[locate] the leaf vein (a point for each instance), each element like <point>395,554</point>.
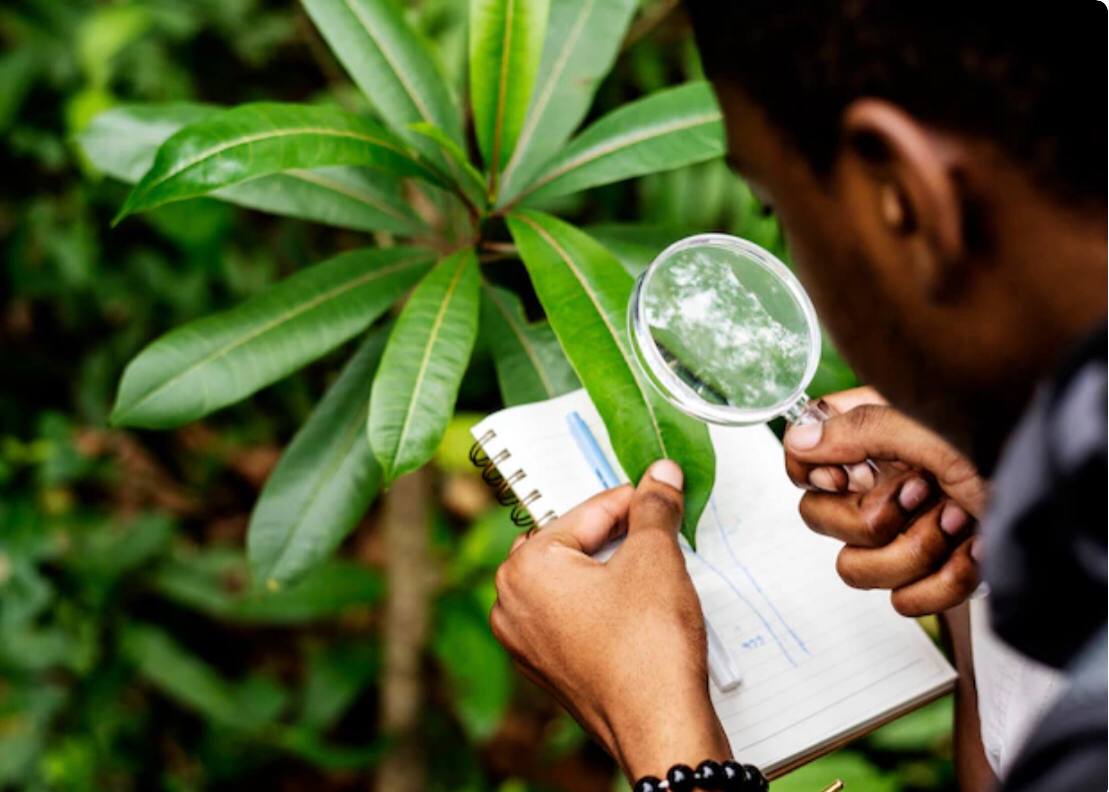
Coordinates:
<point>568,260</point>
<point>266,327</point>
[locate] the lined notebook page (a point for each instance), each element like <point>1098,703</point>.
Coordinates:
<point>819,661</point>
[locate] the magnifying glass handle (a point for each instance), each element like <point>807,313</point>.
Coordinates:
<point>864,475</point>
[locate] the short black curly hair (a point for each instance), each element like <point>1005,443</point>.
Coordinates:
<point>1029,75</point>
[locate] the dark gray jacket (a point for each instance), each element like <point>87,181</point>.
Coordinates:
<point>1045,563</point>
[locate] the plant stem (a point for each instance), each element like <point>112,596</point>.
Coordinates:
<point>405,524</point>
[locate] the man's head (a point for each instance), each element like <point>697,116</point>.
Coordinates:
<point>939,171</point>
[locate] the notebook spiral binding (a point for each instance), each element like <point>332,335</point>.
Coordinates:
<point>503,486</point>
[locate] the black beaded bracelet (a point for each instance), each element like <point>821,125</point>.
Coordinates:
<point>709,775</point>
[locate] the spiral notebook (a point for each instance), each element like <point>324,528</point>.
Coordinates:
<point>821,664</point>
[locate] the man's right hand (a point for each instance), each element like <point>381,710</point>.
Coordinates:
<point>910,531</point>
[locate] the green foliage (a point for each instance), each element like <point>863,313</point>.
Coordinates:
<point>506,43</point>
<point>139,648</point>
<point>577,279</point>
<point>324,482</point>
<point>216,361</point>
<point>220,359</point>
<point>414,392</point>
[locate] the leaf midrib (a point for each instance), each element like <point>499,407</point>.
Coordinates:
<point>615,146</point>
<point>568,260</point>
<point>432,340</point>
<point>353,431</point>
<point>416,100</point>
<point>525,342</point>
<point>270,325</point>
<point>319,180</point>
<point>502,91</point>
<point>545,96</point>
<point>246,140</point>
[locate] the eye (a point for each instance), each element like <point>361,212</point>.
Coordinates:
<point>764,209</point>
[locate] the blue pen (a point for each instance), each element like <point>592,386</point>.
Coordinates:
<point>591,450</point>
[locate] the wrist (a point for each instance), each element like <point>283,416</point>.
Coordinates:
<point>654,744</point>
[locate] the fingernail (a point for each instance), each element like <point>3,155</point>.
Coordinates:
<point>976,550</point>
<point>823,479</point>
<point>666,471</point>
<point>913,492</point>
<point>804,436</point>
<point>862,475</point>
<point>953,519</point>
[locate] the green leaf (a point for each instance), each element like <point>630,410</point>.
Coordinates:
<point>122,142</point>
<point>252,140</point>
<point>388,61</point>
<point>506,43</point>
<point>216,583</point>
<point>529,362</point>
<point>324,482</point>
<point>479,671</point>
<point>583,38</point>
<point>182,676</point>
<point>470,181</point>
<point>853,768</point>
<point>584,291</point>
<point>417,383</point>
<point>636,245</point>
<point>668,129</point>
<point>335,675</point>
<point>222,358</point>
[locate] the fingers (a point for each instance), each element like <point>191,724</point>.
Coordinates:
<point>912,556</point>
<point>871,518</point>
<point>949,586</point>
<point>851,398</point>
<point>591,525</point>
<point>658,502</point>
<point>868,519</point>
<point>877,432</point>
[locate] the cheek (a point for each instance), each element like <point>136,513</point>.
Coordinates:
<point>850,301</point>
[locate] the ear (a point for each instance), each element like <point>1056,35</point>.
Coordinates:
<point>899,182</point>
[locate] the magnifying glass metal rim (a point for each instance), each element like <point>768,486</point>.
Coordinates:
<point>670,385</point>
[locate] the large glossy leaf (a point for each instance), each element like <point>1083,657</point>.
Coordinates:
<point>324,483</point>
<point>417,383</point>
<point>585,290</point>
<point>506,44</point>
<point>388,61</point>
<point>668,129</point>
<point>222,358</point>
<point>529,362</point>
<point>583,37</point>
<point>635,244</point>
<point>252,140</point>
<point>123,140</point>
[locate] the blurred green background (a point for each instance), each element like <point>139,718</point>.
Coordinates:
<point>130,655</point>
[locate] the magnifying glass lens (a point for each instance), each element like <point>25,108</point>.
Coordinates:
<point>724,330</point>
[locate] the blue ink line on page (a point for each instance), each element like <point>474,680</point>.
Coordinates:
<point>591,450</point>
<point>742,598</point>
<point>751,578</point>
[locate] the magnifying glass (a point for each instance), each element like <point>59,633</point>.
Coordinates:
<point>726,333</point>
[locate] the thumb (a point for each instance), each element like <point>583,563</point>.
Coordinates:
<point>658,503</point>
<point>877,432</point>
<point>590,525</point>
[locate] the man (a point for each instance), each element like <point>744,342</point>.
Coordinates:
<point>939,171</point>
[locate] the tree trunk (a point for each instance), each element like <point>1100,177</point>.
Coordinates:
<point>405,525</point>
